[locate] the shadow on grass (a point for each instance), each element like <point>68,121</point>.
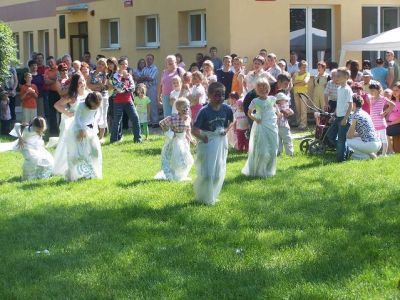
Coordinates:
<point>14,179</point>
<point>145,151</point>
<point>189,250</point>
<point>42,183</point>
<point>138,182</point>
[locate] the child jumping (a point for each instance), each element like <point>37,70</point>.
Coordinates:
<point>264,133</point>
<point>176,159</point>
<point>38,162</point>
<point>210,129</point>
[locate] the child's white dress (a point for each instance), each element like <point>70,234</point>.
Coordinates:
<point>263,146</point>
<point>84,158</point>
<point>176,159</point>
<point>38,163</point>
<point>60,155</point>
<point>211,166</point>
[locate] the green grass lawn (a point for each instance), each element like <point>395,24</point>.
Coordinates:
<point>317,230</point>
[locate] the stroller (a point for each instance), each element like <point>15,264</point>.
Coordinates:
<point>319,144</point>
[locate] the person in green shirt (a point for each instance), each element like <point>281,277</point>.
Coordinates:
<point>142,104</point>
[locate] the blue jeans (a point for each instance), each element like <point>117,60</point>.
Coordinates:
<point>167,108</point>
<point>337,136</point>
<point>118,110</point>
<point>152,94</point>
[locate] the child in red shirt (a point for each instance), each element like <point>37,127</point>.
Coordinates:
<point>29,94</point>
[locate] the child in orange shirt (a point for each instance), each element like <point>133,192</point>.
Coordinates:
<point>29,94</point>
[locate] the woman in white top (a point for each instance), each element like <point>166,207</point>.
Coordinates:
<point>67,107</point>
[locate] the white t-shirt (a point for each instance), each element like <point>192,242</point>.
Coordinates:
<point>242,122</point>
<point>199,90</point>
<point>174,94</point>
<point>344,99</point>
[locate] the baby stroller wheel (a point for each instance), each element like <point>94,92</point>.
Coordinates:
<point>317,148</point>
<point>305,144</point>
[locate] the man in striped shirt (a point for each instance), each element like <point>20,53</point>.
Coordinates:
<point>150,74</point>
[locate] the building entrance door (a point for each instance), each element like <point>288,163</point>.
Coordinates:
<point>78,45</point>
<point>311,34</point>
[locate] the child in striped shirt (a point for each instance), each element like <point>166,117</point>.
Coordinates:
<point>378,113</point>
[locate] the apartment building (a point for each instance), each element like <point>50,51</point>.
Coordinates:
<point>315,29</point>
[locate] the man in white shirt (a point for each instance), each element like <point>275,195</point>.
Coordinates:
<point>293,64</point>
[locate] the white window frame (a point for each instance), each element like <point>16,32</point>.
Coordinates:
<point>309,9</point>
<point>379,21</point>
<point>17,44</point>
<point>203,41</point>
<point>44,43</point>
<point>29,46</point>
<point>115,45</point>
<point>157,42</point>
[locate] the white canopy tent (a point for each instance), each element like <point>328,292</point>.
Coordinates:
<point>388,40</point>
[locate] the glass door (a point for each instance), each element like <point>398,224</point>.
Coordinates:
<point>311,34</point>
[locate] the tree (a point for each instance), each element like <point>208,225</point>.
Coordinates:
<point>8,50</point>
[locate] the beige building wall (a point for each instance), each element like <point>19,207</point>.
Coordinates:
<point>266,24</point>
<point>36,26</point>
<point>170,24</point>
<point>233,26</point>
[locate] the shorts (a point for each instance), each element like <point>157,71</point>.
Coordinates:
<point>382,135</point>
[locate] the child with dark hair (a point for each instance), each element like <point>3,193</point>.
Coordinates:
<point>380,73</point>
<point>362,137</point>
<point>210,128</point>
<point>38,162</point>
<point>83,145</point>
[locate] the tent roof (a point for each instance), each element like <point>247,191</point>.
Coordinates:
<point>388,40</point>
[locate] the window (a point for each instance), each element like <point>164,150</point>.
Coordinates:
<point>109,29</point>
<point>311,34</point>
<point>378,19</point>
<point>152,35</point>
<point>113,33</point>
<point>29,46</point>
<point>44,43</point>
<point>197,29</point>
<point>46,46</point>
<point>17,45</point>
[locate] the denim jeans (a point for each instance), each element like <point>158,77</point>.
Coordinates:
<point>118,110</point>
<point>167,108</point>
<point>337,136</point>
<point>152,94</point>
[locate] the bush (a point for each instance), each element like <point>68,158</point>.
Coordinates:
<point>8,51</point>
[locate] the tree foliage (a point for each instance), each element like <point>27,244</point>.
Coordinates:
<point>8,50</point>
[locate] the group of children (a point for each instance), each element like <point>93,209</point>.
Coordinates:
<point>213,123</point>
<point>78,153</point>
<point>257,125</point>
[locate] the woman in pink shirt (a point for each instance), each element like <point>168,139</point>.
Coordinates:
<point>378,113</point>
<point>393,120</point>
<point>166,87</point>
